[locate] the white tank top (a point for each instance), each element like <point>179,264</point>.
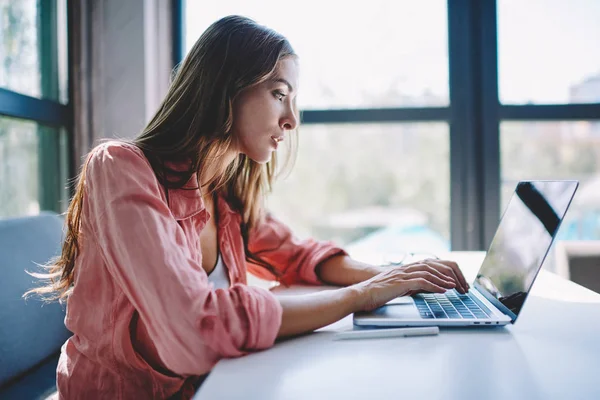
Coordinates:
<point>218,275</point>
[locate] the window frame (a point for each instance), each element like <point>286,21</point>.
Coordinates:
<point>47,113</point>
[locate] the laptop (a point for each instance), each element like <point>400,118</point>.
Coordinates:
<point>524,236</point>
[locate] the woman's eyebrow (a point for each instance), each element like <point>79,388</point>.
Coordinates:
<point>281,80</point>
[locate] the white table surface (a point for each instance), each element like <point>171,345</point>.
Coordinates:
<point>551,352</point>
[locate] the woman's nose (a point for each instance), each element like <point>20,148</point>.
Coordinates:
<point>290,120</point>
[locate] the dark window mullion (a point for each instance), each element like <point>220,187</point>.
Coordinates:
<point>178,31</point>
<point>490,125</point>
<point>370,115</point>
<point>474,137</point>
<point>465,168</point>
<point>44,111</point>
<point>49,185</point>
<point>550,112</point>
<point>73,39</point>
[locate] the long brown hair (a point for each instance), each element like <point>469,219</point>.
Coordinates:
<point>192,127</point>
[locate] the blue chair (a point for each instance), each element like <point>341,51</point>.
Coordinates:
<point>31,332</point>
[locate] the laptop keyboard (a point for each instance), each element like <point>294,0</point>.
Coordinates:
<point>450,305</point>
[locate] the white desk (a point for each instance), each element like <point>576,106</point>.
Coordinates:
<point>552,352</point>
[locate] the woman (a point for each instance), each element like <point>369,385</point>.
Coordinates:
<point>162,230</point>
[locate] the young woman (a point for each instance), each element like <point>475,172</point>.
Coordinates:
<point>162,230</point>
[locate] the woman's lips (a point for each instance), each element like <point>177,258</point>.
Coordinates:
<point>276,140</point>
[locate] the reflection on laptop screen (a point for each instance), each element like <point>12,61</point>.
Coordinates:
<point>523,239</point>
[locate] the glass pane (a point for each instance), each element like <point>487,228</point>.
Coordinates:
<point>381,53</point>
<point>33,48</point>
<point>31,176</point>
<point>548,51</point>
<point>557,150</point>
<point>381,188</point>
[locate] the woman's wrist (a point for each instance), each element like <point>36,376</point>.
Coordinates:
<point>344,271</point>
<point>305,313</point>
<point>355,297</point>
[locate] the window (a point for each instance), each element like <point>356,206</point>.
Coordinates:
<point>557,150</point>
<point>33,174</point>
<point>548,51</point>
<point>372,185</point>
<point>382,53</point>
<point>549,84</point>
<point>34,159</point>
<point>33,48</point>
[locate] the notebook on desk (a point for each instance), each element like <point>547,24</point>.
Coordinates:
<point>515,256</point>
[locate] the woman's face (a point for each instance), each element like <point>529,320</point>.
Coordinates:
<point>263,114</point>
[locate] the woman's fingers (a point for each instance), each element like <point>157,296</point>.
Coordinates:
<point>448,269</point>
<point>438,269</point>
<point>445,283</point>
<point>418,284</point>
<point>448,272</point>
<point>422,266</point>
<point>426,276</point>
<point>400,282</point>
<point>454,266</point>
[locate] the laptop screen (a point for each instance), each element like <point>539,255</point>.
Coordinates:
<point>524,236</point>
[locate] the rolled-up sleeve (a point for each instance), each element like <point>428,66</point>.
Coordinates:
<point>146,253</point>
<point>295,259</point>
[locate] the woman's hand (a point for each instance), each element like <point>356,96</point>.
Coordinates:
<point>447,270</point>
<point>435,276</point>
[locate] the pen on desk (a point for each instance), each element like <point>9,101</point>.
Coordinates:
<point>385,333</point>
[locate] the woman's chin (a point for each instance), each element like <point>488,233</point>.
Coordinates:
<point>262,159</point>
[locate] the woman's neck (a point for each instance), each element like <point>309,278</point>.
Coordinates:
<point>214,170</point>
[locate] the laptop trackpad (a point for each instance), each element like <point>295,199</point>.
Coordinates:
<point>401,300</point>
<point>398,311</point>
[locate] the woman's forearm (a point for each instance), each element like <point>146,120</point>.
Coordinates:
<point>305,313</point>
<point>344,271</point>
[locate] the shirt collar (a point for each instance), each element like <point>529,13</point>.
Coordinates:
<point>187,202</point>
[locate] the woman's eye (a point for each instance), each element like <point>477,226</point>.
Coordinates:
<point>278,95</point>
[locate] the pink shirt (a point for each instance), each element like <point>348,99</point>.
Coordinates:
<point>146,321</point>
